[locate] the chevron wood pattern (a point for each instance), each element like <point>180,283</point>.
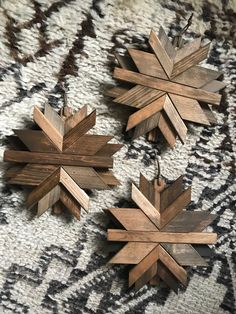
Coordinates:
<point>61,160</point>
<point>160,235</point>
<point>169,87</point>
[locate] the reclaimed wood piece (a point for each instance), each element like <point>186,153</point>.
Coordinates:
<point>171,243</point>
<point>170,72</point>
<point>61,160</point>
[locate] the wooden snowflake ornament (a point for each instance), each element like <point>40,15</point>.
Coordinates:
<point>168,88</point>
<point>61,160</point>
<point>159,235</point>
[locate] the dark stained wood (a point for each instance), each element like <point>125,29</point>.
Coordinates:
<point>108,177</point>
<point>170,193</point>
<point>70,203</point>
<point>58,159</point>
<point>109,150</point>
<point>167,276</point>
<point>188,49</point>
<point>147,125</point>
<point>167,130</point>
<point>76,118</point>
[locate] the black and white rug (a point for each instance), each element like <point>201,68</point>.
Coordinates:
<point>57,264</point>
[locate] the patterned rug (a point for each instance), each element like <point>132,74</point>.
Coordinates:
<point>58,264</point>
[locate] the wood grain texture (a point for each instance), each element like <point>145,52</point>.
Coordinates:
<point>48,200</point>
<point>132,253</point>
<point>188,49</point>
<point>145,206</point>
<point>147,125</point>
<point>167,277</point>
<point>70,203</point>
<point>161,237</point>
<point>167,86</point>
<point>170,193</point>
<point>109,150</point>
<point>54,135</point>
<point>53,117</point>
<point>58,159</point>
<point>167,130</point>
<point>75,119</point>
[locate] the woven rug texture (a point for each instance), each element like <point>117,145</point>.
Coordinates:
<point>56,264</point>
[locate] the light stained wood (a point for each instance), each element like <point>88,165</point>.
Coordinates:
<point>189,109</point>
<point>88,144</point>
<point>48,200</point>
<point>159,48</point>
<point>48,128</point>
<point>170,193</point>
<point>53,117</point>
<point>79,194</point>
<point>140,269</point>
<point>146,112</point>
<point>145,206</point>
<point>58,159</point>
<point>36,141</point>
<point>116,91</point>
<point>70,203</point>
<point>190,60</point>
<point>209,114</point>
<point>147,63</point>
<point>178,271</point>
<point>167,44</point>
<point>175,119</point>
<point>79,130</point>
<point>146,277</point>
<point>185,254</point>
<point>214,86</point>
<point>86,177</point>
<point>75,119</point>
<point>167,86</point>
<point>127,216</point>
<point>162,237</point>
<point>108,177</point>
<point>132,253</point>
<point>188,49</point>
<point>147,125</point>
<point>180,203</point>
<point>167,130</point>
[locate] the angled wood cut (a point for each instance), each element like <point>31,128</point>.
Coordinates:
<point>160,235</point>
<point>168,88</point>
<point>61,160</point>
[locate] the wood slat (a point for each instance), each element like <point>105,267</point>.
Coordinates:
<point>108,177</point>
<point>189,109</point>
<point>178,271</point>
<point>127,216</point>
<point>147,63</point>
<point>138,96</point>
<point>209,114</point>
<point>32,174</point>
<point>116,91</point>
<point>189,221</point>
<point>125,62</point>
<point>53,117</point>
<point>190,60</point>
<point>76,118</point>
<point>146,187</point>
<point>146,277</point>
<point>159,46</point>
<point>43,188</point>
<point>80,196</point>
<point>132,253</point>
<point>167,130</point>
<point>146,112</point>
<point>169,194</point>
<point>70,203</point>
<point>146,263</point>
<point>177,206</point>
<point>58,159</point>
<point>184,254</point>
<point>196,76</point>
<point>36,141</point>
<point>175,119</point>
<point>214,86</point>
<point>161,237</point>
<point>48,128</point>
<point>86,177</point>
<point>167,86</point>
<point>109,150</point>
<point>167,277</point>
<point>48,200</point>
<point>88,144</point>
<point>145,206</point>
<point>188,49</point>
<point>146,125</point>
<point>79,130</point>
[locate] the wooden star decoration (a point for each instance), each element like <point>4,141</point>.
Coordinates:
<point>168,88</point>
<point>159,235</point>
<point>60,160</point>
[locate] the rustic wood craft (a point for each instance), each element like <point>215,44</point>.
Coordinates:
<point>160,237</point>
<point>61,160</point>
<point>166,86</point>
